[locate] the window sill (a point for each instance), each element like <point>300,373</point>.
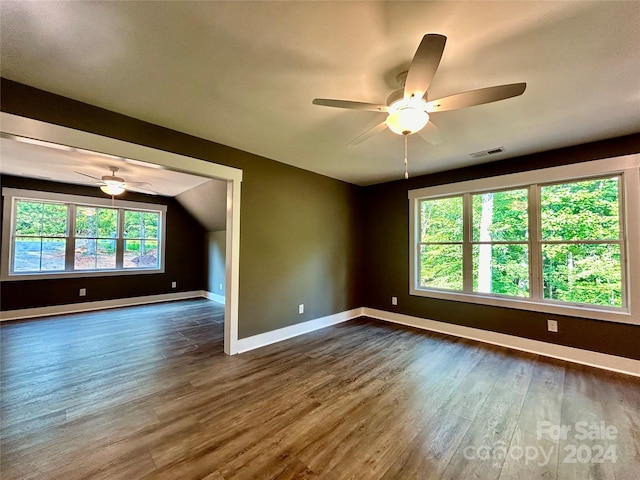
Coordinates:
<point>78,274</point>
<point>620,315</point>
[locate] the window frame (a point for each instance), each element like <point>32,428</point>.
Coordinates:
<point>12,195</point>
<point>627,167</point>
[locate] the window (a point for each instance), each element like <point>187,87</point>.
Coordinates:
<point>581,242</point>
<point>542,240</point>
<point>441,243</point>
<point>141,239</point>
<point>500,246</point>
<point>63,235</point>
<point>40,236</point>
<point>95,239</point>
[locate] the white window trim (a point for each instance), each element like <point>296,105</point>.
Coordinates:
<point>627,166</point>
<point>12,194</point>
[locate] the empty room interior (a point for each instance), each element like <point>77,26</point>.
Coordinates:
<point>324,240</point>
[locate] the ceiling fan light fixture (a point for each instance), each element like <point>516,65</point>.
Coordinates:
<point>112,187</point>
<point>407,116</point>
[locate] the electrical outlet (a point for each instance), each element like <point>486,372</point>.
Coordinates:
<point>83,292</point>
<point>301,308</point>
<point>220,288</point>
<point>394,300</point>
<point>174,284</point>
<point>552,325</point>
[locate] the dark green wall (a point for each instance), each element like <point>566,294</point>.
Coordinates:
<point>299,231</point>
<point>386,268</point>
<point>185,241</point>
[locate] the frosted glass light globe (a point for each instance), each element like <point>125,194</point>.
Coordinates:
<point>407,116</point>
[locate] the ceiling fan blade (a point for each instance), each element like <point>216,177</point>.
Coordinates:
<point>368,134</point>
<point>431,134</point>
<point>86,175</point>
<point>424,65</point>
<point>133,184</point>
<point>476,97</point>
<point>142,190</point>
<point>327,102</point>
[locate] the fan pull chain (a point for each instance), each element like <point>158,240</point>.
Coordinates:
<point>406,166</point>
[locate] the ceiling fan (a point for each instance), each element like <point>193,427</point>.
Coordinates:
<point>408,108</point>
<point>114,185</point>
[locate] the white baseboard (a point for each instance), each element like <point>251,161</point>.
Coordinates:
<point>561,352</point>
<point>267,338</point>
<point>214,296</point>
<point>88,306</point>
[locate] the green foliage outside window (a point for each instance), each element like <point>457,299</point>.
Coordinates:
<point>43,241</point>
<point>588,273</point>
<point>40,219</point>
<point>441,223</point>
<point>579,245</point>
<point>585,210</point>
<point>40,236</point>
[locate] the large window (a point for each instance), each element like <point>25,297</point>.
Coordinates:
<point>47,234</point>
<point>562,246</point>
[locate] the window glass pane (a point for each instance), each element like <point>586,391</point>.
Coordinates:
<point>95,254</point>
<point>26,254</point>
<point>53,253</point>
<point>140,254</point>
<point>131,249</point>
<point>28,218</point>
<point>441,266</point>
<point>132,224</point>
<point>589,274</point>
<point>107,222</point>
<point>41,219</point>
<point>501,269</point>
<point>105,253</point>
<point>39,254</point>
<point>441,220</point>
<point>500,216</point>
<point>92,222</point>
<point>54,220</point>
<point>85,254</point>
<point>150,224</point>
<point>585,210</point>
<point>141,224</point>
<point>86,224</point>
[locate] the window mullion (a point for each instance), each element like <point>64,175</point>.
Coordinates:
<point>622,238</point>
<point>467,247</point>
<point>12,246</point>
<point>69,259</point>
<point>535,249</point>
<point>120,240</point>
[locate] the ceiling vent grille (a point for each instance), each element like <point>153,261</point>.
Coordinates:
<point>484,153</point>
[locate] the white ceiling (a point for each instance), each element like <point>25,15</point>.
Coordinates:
<point>244,73</point>
<point>67,165</point>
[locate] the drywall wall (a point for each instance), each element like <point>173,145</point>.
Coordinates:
<point>216,245</point>
<point>207,203</point>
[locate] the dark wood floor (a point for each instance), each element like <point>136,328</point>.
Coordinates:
<point>146,392</point>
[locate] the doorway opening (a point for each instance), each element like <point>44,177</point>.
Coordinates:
<point>55,134</point>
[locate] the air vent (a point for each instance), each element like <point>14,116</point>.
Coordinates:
<point>484,153</point>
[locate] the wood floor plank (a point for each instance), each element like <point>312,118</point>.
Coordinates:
<point>491,429</point>
<point>428,455</point>
<point>147,392</point>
